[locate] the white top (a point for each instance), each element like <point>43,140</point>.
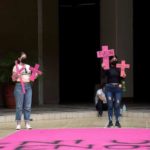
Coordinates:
<point>100,92</point>
<point>25,73</point>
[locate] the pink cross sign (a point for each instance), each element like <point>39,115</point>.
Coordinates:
<point>105,54</point>
<point>18,73</point>
<point>123,66</point>
<point>35,72</point>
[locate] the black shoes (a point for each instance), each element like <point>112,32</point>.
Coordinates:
<point>110,124</point>
<point>100,114</point>
<point>117,124</point>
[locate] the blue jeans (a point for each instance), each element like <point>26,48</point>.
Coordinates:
<point>113,95</point>
<point>99,107</point>
<point>23,101</point>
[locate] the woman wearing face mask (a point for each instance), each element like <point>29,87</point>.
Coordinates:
<point>23,100</point>
<point>113,91</point>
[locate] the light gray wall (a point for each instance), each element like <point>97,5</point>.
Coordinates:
<point>116,31</point>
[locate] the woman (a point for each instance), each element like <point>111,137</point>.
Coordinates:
<point>113,91</point>
<point>23,99</point>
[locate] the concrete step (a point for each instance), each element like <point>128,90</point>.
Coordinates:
<point>135,116</point>
<point>73,117</point>
<point>9,116</point>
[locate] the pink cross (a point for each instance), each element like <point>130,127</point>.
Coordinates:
<point>123,66</point>
<point>105,54</point>
<point>35,72</point>
<point>18,73</point>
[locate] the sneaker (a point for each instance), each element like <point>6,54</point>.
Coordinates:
<point>100,115</point>
<point>110,124</point>
<point>18,127</point>
<point>117,124</point>
<point>28,126</point>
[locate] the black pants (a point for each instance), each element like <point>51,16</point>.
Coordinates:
<point>100,107</point>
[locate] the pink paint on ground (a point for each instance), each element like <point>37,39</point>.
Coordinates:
<point>78,139</point>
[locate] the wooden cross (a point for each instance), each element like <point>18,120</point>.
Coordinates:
<point>105,54</point>
<point>19,74</point>
<point>122,66</point>
<point>35,72</point>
